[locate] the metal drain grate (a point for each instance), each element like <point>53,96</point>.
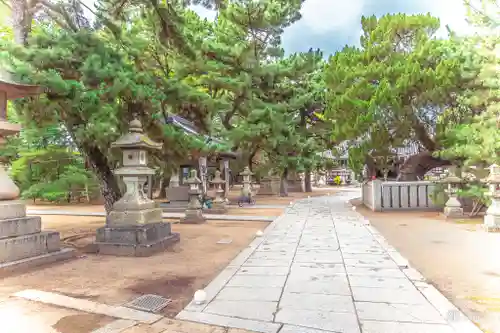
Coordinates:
<point>149,303</point>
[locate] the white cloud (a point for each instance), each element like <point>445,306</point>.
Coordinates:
<point>204,12</point>
<point>327,15</point>
<point>451,13</point>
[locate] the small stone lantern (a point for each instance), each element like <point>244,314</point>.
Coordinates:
<point>194,214</point>
<point>246,191</point>
<point>135,226</point>
<point>219,204</point>
<point>453,207</point>
<point>492,217</point>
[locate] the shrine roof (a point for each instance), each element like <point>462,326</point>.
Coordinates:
<point>190,129</point>
<point>15,89</point>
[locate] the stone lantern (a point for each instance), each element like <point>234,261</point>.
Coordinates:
<point>194,213</point>
<point>22,242</point>
<point>246,190</point>
<point>135,226</point>
<point>492,217</point>
<point>453,207</point>
<point>219,204</point>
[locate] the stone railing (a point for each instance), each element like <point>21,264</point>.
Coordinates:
<point>391,195</point>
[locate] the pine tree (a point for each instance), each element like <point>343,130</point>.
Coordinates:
<point>477,139</point>
<point>395,87</point>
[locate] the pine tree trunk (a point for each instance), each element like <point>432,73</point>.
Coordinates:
<point>164,184</point>
<point>110,189</point>
<point>20,23</point>
<point>284,183</point>
<point>416,166</point>
<point>308,181</point>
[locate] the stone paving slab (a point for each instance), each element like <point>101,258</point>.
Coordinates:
<point>321,268</point>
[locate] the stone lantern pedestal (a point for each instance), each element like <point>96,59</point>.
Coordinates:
<point>135,227</point>
<point>453,207</point>
<point>492,217</point>
<point>219,203</point>
<point>23,244</point>
<point>194,213</point>
<point>246,190</point>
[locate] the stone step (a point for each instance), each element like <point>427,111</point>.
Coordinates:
<point>20,226</point>
<point>26,246</point>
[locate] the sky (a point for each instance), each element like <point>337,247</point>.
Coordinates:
<point>331,24</point>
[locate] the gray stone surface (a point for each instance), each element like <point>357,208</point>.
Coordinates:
<point>424,313</point>
<point>379,282</point>
<point>321,268</point>
<point>397,327</point>
<point>328,321</point>
<point>257,310</point>
<point>266,294</point>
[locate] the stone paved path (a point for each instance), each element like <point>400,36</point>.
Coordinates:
<point>322,268</point>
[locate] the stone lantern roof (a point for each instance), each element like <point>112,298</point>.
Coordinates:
<point>135,138</point>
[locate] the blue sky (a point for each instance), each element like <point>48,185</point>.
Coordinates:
<point>331,24</point>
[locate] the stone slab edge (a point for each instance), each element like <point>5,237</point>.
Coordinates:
<point>460,322</point>
<point>21,265</point>
<point>217,320</point>
<point>217,284</point>
<point>88,306</point>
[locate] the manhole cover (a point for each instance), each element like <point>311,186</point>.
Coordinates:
<point>149,303</point>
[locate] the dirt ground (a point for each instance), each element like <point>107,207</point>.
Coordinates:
<point>188,266</point>
<point>255,211</point>
<point>459,258</point>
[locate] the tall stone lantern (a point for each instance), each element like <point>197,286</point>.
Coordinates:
<point>219,204</point>
<point>194,211</point>
<point>453,207</point>
<point>246,190</point>
<point>135,227</point>
<point>22,242</point>
<point>492,217</point>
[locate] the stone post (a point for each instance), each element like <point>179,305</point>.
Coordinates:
<point>246,191</point>
<point>202,162</point>
<point>492,217</point>
<point>194,213</point>
<point>135,227</point>
<point>219,204</point>
<point>227,177</point>
<point>453,207</point>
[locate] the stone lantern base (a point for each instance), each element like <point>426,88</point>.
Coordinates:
<point>135,240</point>
<point>193,216</point>
<point>453,208</point>
<point>23,243</point>
<point>135,233</point>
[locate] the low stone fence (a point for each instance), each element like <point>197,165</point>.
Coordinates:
<point>391,195</point>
